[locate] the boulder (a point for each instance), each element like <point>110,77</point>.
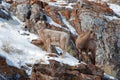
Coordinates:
<point>4,12</point>
<point>10,73</point>
<point>22,11</point>
<point>5,15</point>
<point>57,71</point>
<point>37,13</point>
<point>51,10</point>
<point>9,1</point>
<point>90,15</point>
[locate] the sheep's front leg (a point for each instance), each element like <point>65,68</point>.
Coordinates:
<point>64,51</point>
<point>48,45</point>
<point>63,47</point>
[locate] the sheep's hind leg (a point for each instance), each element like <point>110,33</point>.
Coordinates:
<point>80,56</point>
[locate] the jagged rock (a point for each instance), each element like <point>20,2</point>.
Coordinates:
<point>72,1</point>
<point>0,1</point>
<point>4,15</point>
<point>118,74</point>
<point>74,20</point>
<point>90,69</point>
<point>22,11</point>
<point>9,72</point>
<point>107,35</point>
<point>51,10</point>
<point>42,4</point>
<point>112,40</point>
<point>57,71</point>
<point>97,7</point>
<point>9,1</point>
<point>66,13</point>
<point>90,15</point>
<point>37,13</point>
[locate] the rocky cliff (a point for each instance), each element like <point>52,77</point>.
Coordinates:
<point>73,18</point>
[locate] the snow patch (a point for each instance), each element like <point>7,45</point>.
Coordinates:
<point>72,30</point>
<point>115,8</point>
<point>67,60</point>
<point>51,22</point>
<point>108,77</point>
<point>61,3</point>
<point>6,5</point>
<point>16,47</point>
<point>99,1</point>
<point>111,17</point>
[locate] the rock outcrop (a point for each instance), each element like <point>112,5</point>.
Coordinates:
<point>11,73</point>
<point>74,19</point>
<point>4,13</point>
<point>57,71</point>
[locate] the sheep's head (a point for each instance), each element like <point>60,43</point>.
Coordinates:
<point>93,35</point>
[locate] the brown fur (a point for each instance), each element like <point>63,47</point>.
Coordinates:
<point>86,43</point>
<point>91,47</point>
<point>37,42</point>
<point>52,37</point>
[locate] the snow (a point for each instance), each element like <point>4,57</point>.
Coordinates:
<point>70,6</point>
<point>115,8</point>
<point>16,47</point>
<point>99,1</point>
<point>59,50</point>
<point>6,5</point>
<point>111,17</point>
<point>72,30</point>
<point>51,22</point>
<point>57,3</point>
<point>67,60</point>
<point>108,77</point>
<point>2,77</point>
<point>61,3</point>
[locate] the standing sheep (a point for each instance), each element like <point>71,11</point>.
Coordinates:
<point>52,37</point>
<point>86,43</point>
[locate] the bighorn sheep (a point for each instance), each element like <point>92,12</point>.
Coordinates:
<point>52,37</point>
<point>85,42</point>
